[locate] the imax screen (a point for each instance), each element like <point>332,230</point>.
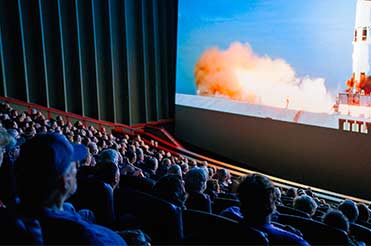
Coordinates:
<point>298,61</point>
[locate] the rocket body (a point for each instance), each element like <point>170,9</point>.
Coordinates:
<point>361,41</point>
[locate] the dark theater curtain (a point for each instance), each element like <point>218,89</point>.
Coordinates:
<point>111,60</point>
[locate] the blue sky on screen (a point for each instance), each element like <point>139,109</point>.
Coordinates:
<point>313,36</point>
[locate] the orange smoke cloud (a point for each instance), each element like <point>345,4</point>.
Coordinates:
<point>239,74</point>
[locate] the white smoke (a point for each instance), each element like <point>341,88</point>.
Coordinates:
<point>239,74</point>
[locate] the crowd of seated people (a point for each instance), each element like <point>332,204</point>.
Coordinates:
<point>58,176</point>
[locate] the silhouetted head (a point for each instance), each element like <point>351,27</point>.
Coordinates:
<point>306,204</point>
<point>364,213</point>
<point>349,209</point>
<point>257,197</point>
<point>337,219</point>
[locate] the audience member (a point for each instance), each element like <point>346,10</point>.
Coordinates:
<point>195,185</point>
<point>222,177</point>
<point>185,168</point>
<point>108,172</point>
<point>306,204</point>
<point>349,209</point>
<point>175,169</point>
<point>256,194</point>
<point>171,188</point>
<point>212,188</point>
<point>364,213</point>
<point>337,219</point>
<point>277,192</point>
<point>44,186</point>
<point>150,166</point>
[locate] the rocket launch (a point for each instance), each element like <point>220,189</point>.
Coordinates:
<point>357,99</point>
<point>238,73</point>
<point>361,42</point>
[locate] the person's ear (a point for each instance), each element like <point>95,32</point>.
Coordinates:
<point>66,182</point>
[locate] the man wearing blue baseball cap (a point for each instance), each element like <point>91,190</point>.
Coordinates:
<point>45,178</point>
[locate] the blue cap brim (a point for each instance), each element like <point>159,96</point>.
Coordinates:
<point>79,152</point>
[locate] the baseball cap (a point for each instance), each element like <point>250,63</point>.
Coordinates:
<point>50,151</point>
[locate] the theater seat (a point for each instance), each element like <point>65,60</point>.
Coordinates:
<point>365,224</point>
<point>360,232</point>
<point>219,204</point>
<point>205,228</point>
<point>314,232</point>
<point>96,196</point>
<point>129,182</point>
<point>161,220</point>
<point>292,211</point>
<point>16,230</point>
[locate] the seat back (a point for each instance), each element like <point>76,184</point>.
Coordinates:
<point>16,229</point>
<point>287,201</point>
<point>365,224</point>
<point>314,232</point>
<point>361,233</point>
<point>205,228</point>
<point>219,204</point>
<point>292,211</point>
<point>96,196</point>
<point>161,220</point>
<point>129,182</point>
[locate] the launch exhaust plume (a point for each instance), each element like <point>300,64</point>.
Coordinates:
<point>239,74</point>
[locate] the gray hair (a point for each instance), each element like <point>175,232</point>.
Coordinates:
<point>306,204</point>
<point>109,155</point>
<point>195,180</point>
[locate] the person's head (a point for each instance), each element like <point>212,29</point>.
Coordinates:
<point>140,154</point>
<point>192,164</point>
<point>131,156</point>
<point>77,139</point>
<point>170,188</point>
<point>88,159</point>
<point>211,171</point>
<point>364,213</point>
<point>257,198</point>
<point>213,185</point>
<point>14,133</point>
<point>291,192</point>
<point>349,209</point>
<point>309,192</point>
<point>306,204</point>
<point>108,172</point>
<point>46,170</point>
<point>175,169</point>
<point>195,180</point>
<point>337,219</point>
<point>13,113</point>
<point>277,192</point>
<point>93,148</point>
<point>166,162</point>
<point>14,146</point>
<point>185,168</point>
<point>109,155</point>
<point>5,139</point>
<point>151,163</point>
<point>222,174</point>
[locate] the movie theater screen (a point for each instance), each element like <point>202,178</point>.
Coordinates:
<point>277,84</point>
